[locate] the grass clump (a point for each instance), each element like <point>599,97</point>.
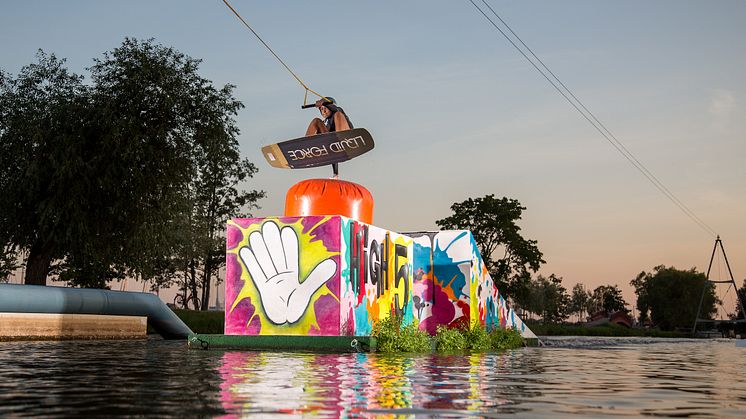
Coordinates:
<point>450,339</point>
<point>476,338</point>
<point>393,337</point>
<point>501,339</point>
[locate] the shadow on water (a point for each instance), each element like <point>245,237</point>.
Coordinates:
<point>586,377</point>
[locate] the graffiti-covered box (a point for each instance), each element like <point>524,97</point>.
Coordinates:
<point>314,275</point>
<point>452,286</point>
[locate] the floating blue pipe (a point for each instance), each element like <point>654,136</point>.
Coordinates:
<point>16,298</point>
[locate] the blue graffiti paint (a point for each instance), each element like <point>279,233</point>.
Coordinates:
<point>446,270</point>
<point>362,322</point>
<point>421,258</point>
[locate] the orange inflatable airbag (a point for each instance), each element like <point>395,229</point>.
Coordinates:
<point>329,197</point>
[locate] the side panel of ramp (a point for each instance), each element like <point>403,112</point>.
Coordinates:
<point>452,285</point>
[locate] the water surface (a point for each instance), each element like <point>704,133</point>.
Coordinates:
<point>593,377</point>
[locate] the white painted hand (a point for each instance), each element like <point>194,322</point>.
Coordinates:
<point>272,261</point>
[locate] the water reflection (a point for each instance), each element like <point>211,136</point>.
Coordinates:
<point>352,384</point>
<point>585,377</point>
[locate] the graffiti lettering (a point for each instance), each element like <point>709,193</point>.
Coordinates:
<point>358,256</point>
<point>402,273</point>
<point>374,263</point>
<point>383,283</point>
<point>378,266</point>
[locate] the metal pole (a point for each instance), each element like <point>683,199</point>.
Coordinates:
<point>738,295</point>
<point>704,288</point>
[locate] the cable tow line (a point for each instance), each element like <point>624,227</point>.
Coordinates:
<point>563,90</point>
<point>308,89</point>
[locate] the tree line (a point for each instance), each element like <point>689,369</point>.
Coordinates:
<point>130,172</point>
<point>666,297</point>
<point>133,174</point>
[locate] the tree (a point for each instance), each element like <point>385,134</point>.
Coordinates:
<point>110,179</point>
<point>672,297</point>
<point>216,197</point>
<point>522,293</point>
<point>550,298</point>
<point>643,306</point>
<point>740,301</point>
<point>43,128</point>
<point>8,263</point>
<point>492,222</point>
<point>608,298</point>
<point>579,301</point>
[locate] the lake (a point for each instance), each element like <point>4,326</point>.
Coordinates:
<point>593,377</point>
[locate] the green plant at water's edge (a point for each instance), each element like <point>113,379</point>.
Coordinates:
<point>476,338</point>
<point>448,340</point>
<point>479,339</point>
<point>501,339</point>
<point>393,337</point>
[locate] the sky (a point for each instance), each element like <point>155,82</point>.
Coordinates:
<point>456,112</point>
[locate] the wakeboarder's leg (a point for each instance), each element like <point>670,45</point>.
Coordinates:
<point>316,127</point>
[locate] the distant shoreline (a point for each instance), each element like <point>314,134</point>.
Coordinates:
<point>602,330</point>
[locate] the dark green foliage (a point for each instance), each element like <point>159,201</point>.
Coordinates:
<point>740,301</point>
<point>127,176</point>
<point>393,337</point>
<point>44,130</point>
<point>493,223</point>
<point>579,301</point>
<point>502,339</point>
<point>669,297</point>
<point>476,338</point>
<point>8,262</point>
<point>607,298</point>
<point>608,329</point>
<point>549,299</point>
<point>210,322</point>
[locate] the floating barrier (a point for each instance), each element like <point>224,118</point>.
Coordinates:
<point>310,343</point>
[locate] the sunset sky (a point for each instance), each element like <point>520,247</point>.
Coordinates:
<point>457,112</point>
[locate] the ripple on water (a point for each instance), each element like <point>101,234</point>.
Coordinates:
<point>570,376</point>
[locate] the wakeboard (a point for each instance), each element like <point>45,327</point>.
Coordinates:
<point>319,150</point>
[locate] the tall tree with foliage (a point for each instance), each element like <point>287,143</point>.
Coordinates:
<point>550,298</point>
<point>217,197</point>
<point>108,178</point>
<point>44,131</point>
<point>669,297</point>
<point>607,298</point>
<point>580,300</point>
<point>493,222</point>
